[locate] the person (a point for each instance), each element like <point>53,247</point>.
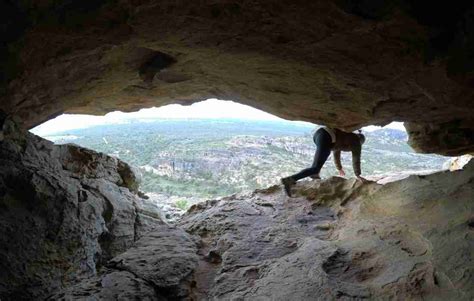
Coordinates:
<point>327,140</point>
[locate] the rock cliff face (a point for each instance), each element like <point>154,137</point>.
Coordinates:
<point>71,229</point>
<point>341,63</point>
<point>64,212</point>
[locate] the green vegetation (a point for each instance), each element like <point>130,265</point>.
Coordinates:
<point>212,158</point>
<point>182,204</point>
<point>197,187</point>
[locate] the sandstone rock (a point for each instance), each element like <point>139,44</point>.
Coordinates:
<point>157,267</point>
<point>341,63</point>
<point>450,138</point>
<point>70,229</point>
<point>409,239</point>
<point>457,162</point>
<point>397,176</point>
<point>165,258</point>
<point>64,212</point>
<point>115,285</point>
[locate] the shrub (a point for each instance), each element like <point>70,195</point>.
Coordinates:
<point>182,204</point>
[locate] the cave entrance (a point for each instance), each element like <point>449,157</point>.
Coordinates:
<point>215,148</point>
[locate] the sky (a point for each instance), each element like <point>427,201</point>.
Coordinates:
<point>209,109</point>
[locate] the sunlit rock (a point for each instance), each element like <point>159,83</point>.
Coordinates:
<point>339,238</point>
<point>457,163</point>
<point>340,63</point>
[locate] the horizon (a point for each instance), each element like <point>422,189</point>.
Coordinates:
<point>211,109</point>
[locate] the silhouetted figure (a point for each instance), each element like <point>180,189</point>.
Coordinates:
<point>327,140</point>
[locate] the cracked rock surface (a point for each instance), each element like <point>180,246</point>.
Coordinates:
<point>340,63</point>
<point>340,239</point>
<point>158,267</point>
<point>64,212</point>
<point>71,229</point>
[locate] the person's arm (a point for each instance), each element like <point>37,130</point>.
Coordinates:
<point>337,161</point>
<point>356,161</point>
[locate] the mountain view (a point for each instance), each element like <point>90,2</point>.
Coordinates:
<point>186,161</point>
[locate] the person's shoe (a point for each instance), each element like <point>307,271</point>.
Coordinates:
<point>287,183</point>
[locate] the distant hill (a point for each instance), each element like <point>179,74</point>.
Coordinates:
<point>210,158</point>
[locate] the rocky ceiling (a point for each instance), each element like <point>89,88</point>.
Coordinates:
<point>342,63</point>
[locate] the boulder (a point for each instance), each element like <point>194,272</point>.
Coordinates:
<point>158,267</point>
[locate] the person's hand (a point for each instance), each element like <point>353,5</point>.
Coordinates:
<point>363,180</point>
<point>342,173</point>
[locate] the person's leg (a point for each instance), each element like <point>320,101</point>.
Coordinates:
<point>316,159</point>
<point>323,142</point>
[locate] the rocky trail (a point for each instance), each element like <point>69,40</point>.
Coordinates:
<point>338,239</point>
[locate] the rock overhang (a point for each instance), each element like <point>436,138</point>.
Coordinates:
<point>341,63</point>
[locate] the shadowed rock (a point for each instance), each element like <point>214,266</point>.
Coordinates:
<point>65,211</point>
<point>341,63</point>
<point>71,229</point>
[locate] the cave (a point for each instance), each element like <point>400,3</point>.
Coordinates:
<point>73,224</point>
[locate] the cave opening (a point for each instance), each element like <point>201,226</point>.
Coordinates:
<point>214,148</point>
<point>74,225</point>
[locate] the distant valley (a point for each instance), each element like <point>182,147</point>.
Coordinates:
<point>192,160</point>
